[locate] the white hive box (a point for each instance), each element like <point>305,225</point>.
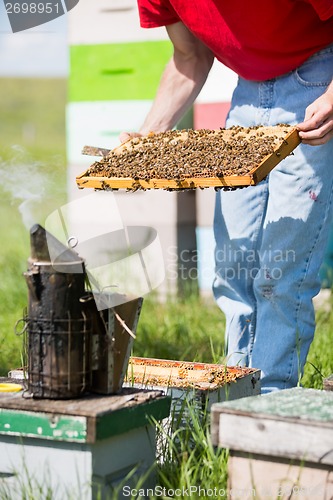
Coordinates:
<point>281,444</point>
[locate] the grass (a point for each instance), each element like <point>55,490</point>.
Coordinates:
<point>185,329</point>
<point>33,117</point>
<point>190,461</point>
<point>319,363</point>
<point>33,157</point>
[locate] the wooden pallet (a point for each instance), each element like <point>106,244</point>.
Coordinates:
<point>289,141</point>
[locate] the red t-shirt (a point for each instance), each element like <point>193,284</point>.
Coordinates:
<point>258,39</point>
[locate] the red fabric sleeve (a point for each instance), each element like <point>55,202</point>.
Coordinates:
<point>155,13</point>
<point>324,8</point>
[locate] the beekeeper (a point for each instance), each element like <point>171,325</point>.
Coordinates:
<point>270,238</point>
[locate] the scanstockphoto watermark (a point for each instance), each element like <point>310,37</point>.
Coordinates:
<point>243,263</point>
<point>294,491</point>
<point>163,492</point>
<point>26,14</point>
<point>227,253</point>
<point>230,263</point>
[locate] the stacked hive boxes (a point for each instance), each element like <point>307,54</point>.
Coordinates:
<point>115,67</point>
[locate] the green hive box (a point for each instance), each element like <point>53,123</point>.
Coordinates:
<point>84,448</point>
<point>119,71</point>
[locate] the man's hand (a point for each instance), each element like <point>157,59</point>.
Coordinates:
<point>317,127</point>
<point>125,136</point>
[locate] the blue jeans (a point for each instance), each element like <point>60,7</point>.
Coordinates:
<point>271,238</point>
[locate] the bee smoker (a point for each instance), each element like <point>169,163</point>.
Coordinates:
<point>58,331</point>
<point>111,342</point>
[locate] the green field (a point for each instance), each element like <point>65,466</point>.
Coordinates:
<point>33,170</point>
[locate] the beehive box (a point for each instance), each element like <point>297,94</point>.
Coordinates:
<point>83,448</point>
<point>191,385</point>
<point>281,444</point>
<point>189,159</point>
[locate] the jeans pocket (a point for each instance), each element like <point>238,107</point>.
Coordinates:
<point>317,71</point>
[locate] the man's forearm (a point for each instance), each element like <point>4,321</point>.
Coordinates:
<point>180,84</point>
